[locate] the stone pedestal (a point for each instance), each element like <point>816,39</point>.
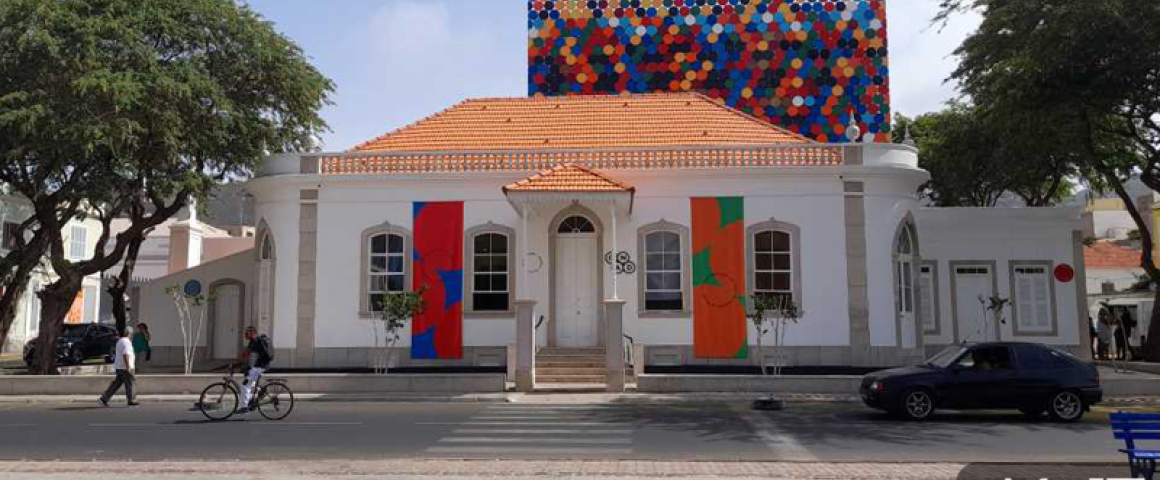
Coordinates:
<point>525,345</point>
<point>614,343</point>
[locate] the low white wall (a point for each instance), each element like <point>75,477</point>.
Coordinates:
<point>834,384</point>
<point>159,312</point>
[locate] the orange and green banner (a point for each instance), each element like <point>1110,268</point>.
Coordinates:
<point>719,329</point>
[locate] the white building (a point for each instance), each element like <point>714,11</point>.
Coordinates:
<point>503,206</point>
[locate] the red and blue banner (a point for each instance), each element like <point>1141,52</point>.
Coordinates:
<point>437,332</point>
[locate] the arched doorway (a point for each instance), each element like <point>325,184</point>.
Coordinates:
<point>576,279</point>
<point>905,267</point>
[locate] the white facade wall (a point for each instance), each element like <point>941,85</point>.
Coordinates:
<point>1120,278</point>
<point>1005,236</point>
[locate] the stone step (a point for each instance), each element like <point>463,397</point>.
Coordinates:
<point>552,371</point>
<point>570,387</point>
<point>573,351</point>
<point>570,364</point>
<point>569,378</point>
<point>570,359</point>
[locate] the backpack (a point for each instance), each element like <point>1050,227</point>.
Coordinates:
<point>266,355</point>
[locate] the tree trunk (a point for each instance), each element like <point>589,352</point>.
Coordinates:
<point>123,280</point>
<point>17,284</point>
<point>55,302</point>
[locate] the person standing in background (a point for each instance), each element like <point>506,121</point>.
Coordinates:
<point>1104,334</point>
<point>141,340</point>
<point>125,362</point>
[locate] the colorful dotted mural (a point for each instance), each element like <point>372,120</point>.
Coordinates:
<point>807,65</point>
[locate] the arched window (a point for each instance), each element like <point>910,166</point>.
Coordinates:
<point>267,248</point>
<point>386,265</point>
<point>576,224</point>
<point>904,272</point>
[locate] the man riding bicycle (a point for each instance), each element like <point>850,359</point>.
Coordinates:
<point>258,355</point>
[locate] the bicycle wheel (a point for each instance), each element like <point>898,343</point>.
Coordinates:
<point>218,401</point>
<point>275,401</point>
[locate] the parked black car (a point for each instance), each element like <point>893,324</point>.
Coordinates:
<point>1030,377</point>
<point>78,343</point>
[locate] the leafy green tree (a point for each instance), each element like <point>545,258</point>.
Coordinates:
<point>974,159</point>
<point>1087,74</point>
<point>130,109</point>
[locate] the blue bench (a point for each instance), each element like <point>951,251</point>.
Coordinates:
<point>1131,427</point>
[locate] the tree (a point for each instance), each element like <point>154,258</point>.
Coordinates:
<point>394,311</point>
<point>190,329</point>
<point>1086,72</point>
<point>772,313</point>
<point>975,159</point>
<point>131,109</point>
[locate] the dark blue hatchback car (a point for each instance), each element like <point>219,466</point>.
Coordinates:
<point>1030,377</point>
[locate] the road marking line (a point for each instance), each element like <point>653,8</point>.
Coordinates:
<point>776,439</point>
<point>227,422</point>
<point>559,424</point>
<point>542,450</point>
<point>539,440</point>
<point>517,417</point>
<point>553,431</point>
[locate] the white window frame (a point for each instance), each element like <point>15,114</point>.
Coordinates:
<point>682,233</point>
<point>795,270</point>
<point>78,242</point>
<point>469,254</point>
<point>928,293</point>
<point>366,310</point>
<point>1019,306</point>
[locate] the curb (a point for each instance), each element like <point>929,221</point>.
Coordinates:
<point>309,398</point>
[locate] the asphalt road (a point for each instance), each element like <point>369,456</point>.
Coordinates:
<point>710,431</point>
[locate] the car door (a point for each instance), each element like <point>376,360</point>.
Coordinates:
<point>102,338</point>
<point>979,379</point>
<point>1036,373</point>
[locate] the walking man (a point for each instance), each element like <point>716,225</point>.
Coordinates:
<point>258,355</point>
<point>125,362</point>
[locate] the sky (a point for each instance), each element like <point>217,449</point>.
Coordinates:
<point>395,62</point>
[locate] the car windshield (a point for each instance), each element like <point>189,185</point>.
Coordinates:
<point>945,357</point>
<point>74,331</point>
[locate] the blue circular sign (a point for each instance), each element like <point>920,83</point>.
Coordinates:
<point>193,288</point>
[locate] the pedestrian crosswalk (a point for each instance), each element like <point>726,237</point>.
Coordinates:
<point>516,430</point>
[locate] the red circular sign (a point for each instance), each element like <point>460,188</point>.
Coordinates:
<point>1064,272</point>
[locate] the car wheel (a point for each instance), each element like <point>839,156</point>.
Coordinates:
<point>76,357</point>
<point>1065,406</point>
<point>917,404</point>
<point>1032,412</point>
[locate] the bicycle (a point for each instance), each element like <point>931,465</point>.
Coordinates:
<point>219,401</point>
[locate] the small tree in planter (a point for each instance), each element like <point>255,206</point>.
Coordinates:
<point>772,313</point>
<point>394,311</point>
<point>190,329</point>
<point>993,309</point>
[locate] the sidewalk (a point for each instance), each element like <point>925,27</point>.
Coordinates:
<point>482,469</point>
<point>406,469</point>
<point>534,398</point>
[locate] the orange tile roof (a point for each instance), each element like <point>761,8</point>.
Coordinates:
<point>1111,255</point>
<point>568,178</point>
<point>583,122</point>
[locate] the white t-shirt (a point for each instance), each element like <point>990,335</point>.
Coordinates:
<point>125,347</point>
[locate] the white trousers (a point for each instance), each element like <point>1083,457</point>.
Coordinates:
<point>249,384</point>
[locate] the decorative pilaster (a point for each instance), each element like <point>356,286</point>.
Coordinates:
<point>614,343</point>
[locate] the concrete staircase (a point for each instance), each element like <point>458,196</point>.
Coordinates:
<point>571,366</point>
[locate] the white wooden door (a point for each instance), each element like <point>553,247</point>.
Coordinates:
<point>576,297</point>
<point>973,282</point>
<point>226,334</point>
